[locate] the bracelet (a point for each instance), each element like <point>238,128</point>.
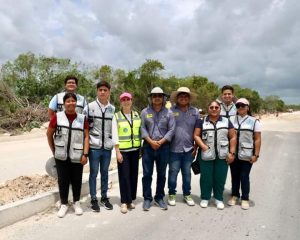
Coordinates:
<point>256,155</point>
<point>232,153</point>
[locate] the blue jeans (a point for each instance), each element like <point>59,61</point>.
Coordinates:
<point>161,159</point>
<point>180,161</point>
<point>99,157</point>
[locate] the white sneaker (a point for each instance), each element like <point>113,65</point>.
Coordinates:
<point>189,201</point>
<point>62,211</point>
<point>219,204</point>
<point>172,200</point>
<point>77,208</point>
<point>204,203</point>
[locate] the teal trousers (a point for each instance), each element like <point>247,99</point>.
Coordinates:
<point>213,178</point>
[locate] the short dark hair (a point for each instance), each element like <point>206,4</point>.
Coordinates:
<point>70,77</point>
<point>227,87</point>
<point>103,84</point>
<point>69,95</point>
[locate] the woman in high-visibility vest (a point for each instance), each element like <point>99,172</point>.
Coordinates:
<point>128,151</point>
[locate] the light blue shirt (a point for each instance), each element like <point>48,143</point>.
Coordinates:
<point>53,102</point>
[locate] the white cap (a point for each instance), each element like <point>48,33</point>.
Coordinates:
<point>51,167</point>
<point>157,90</point>
<point>243,100</point>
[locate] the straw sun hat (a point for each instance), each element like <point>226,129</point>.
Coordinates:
<point>174,94</point>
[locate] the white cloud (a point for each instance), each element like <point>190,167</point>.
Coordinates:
<point>251,43</point>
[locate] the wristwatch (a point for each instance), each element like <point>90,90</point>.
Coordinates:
<point>86,154</point>
<point>232,153</point>
<point>257,156</point>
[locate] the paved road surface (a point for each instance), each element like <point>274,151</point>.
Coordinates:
<point>23,155</point>
<point>275,211</point>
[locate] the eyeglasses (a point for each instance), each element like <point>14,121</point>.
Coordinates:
<point>241,105</point>
<point>157,95</point>
<point>214,107</point>
<point>125,99</point>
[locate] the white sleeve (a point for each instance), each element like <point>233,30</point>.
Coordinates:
<point>257,126</point>
<point>114,131</point>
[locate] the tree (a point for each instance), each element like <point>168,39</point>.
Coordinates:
<point>37,78</point>
<point>253,97</point>
<point>149,74</point>
<point>273,103</point>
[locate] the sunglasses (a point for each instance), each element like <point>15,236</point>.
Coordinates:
<point>157,95</point>
<point>214,107</point>
<point>125,99</point>
<point>240,105</point>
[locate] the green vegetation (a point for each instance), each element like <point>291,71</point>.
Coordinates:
<point>28,83</point>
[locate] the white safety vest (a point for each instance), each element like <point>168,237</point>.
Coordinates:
<point>80,104</point>
<point>245,137</point>
<point>100,125</point>
<point>69,137</point>
<point>230,113</point>
<point>215,136</point>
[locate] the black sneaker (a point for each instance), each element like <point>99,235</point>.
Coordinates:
<point>94,205</point>
<point>106,204</point>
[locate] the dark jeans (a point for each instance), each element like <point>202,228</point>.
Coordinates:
<point>161,159</point>
<point>128,175</point>
<point>69,173</point>
<point>240,171</point>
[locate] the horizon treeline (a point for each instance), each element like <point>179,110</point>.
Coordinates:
<point>33,80</point>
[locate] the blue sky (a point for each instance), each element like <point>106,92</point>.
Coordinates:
<point>254,43</point>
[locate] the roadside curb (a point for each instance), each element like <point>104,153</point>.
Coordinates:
<point>13,212</point>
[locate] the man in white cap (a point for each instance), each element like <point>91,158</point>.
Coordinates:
<point>182,145</point>
<point>157,129</point>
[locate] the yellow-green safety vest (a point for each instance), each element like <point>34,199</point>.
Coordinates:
<point>129,134</point>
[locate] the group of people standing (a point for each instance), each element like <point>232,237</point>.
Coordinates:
<point>79,132</point>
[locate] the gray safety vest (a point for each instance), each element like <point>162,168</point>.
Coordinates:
<point>100,125</point>
<point>245,136</point>
<point>215,136</point>
<point>80,104</point>
<point>230,113</point>
<point>69,137</point>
